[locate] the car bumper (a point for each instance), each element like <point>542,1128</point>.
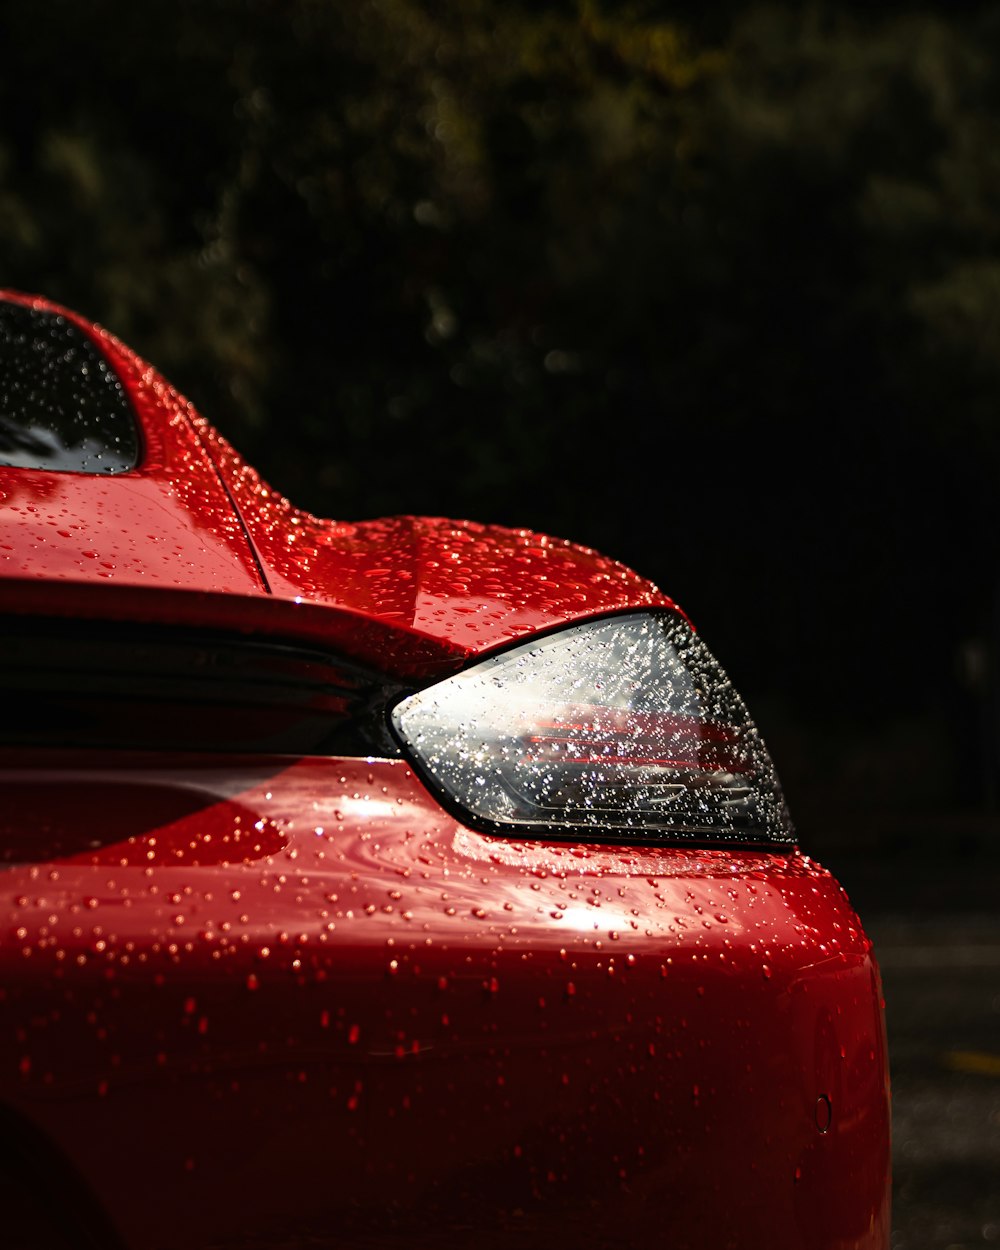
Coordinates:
<point>249,1001</point>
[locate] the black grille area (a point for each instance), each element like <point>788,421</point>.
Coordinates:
<point>85,684</point>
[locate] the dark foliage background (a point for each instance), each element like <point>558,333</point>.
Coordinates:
<point>713,288</point>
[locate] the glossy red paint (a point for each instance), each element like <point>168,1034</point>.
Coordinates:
<point>468,584</point>
<point>167,523</point>
<point>322,1007</point>
<point>269,1001</point>
<point>196,519</point>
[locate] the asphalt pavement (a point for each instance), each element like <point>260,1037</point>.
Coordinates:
<point>935,922</point>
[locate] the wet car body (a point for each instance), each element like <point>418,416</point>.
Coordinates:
<point>267,982</point>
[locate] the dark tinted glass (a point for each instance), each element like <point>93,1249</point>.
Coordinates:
<point>61,404</point>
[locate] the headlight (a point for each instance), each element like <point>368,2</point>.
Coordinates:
<point>622,729</point>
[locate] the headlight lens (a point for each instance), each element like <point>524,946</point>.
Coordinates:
<point>616,730</point>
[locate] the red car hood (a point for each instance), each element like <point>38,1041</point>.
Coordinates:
<point>194,536</point>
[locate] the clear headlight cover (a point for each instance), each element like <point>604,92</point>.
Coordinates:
<point>622,729</point>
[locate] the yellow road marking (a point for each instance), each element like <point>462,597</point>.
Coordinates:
<point>973,1061</point>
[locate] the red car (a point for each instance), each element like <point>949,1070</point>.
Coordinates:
<point>402,883</point>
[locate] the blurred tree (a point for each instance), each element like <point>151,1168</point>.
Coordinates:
<point>713,288</point>
<point>362,215</point>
